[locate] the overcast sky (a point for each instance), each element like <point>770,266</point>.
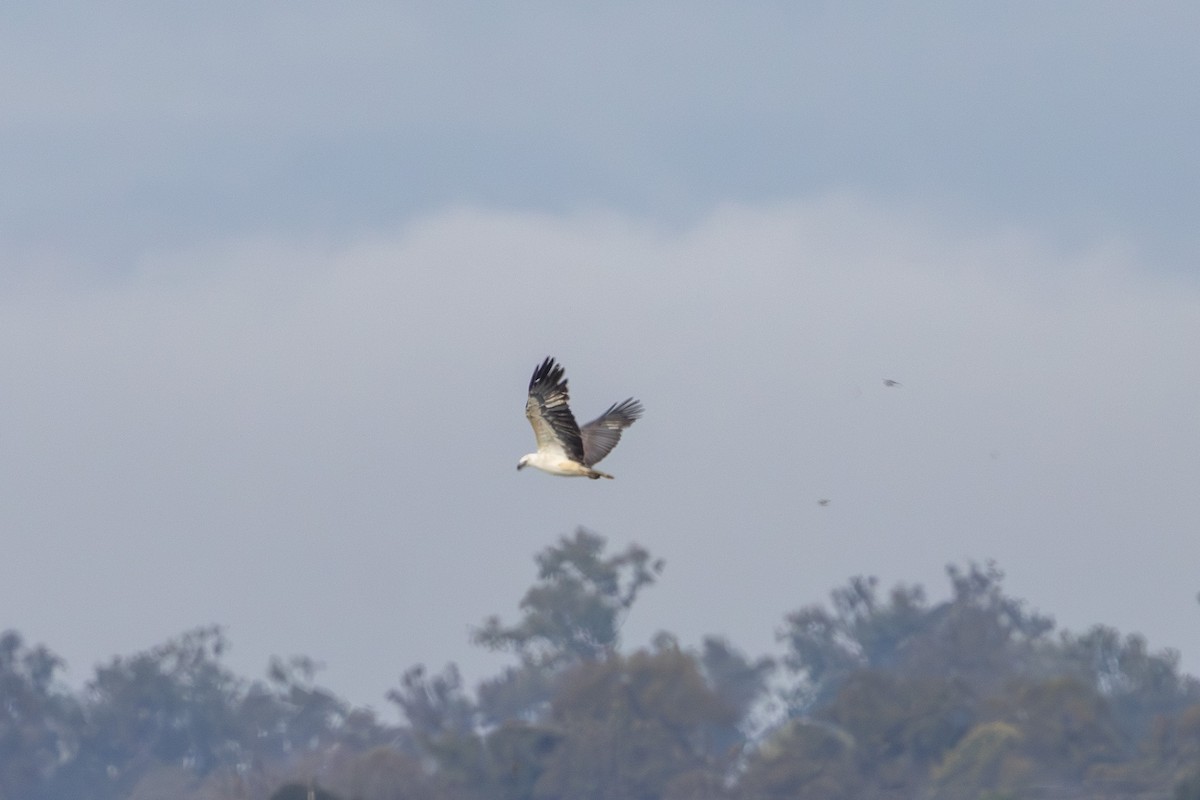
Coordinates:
<point>273,277</point>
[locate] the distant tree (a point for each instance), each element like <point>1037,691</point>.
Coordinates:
<point>701,784</point>
<point>1188,788</point>
<point>300,715</point>
<point>804,759</point>
<point>174,704</point>
<point>741,683</point>
<point>165,781</point>
<point>980,587</point>
<point>302,791</point>
<point>989,759</point>
<point>39,723</point>
<point>736,679</point>
<point>289,715</point>
<point>175,715</point>
<point>518,754</point>
<point>520,692</point>
<point>631,726</point>
<point>435,705</point>
<point>383,773</point>
<point>443,721</point>
<point>980,635</point>
<point>861,631</point>
<point>575,611</point>
<point>1138,684</point>
<point>892,697</point>
<point>1066,725</point>
<point>1178,740</point>
<point>901,725</point>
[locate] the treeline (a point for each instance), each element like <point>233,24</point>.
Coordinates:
<point>878,694</point>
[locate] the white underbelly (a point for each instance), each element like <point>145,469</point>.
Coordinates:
<point>558,466</point>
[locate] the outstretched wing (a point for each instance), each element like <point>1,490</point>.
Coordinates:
<point>550,415</point>
<point>601,435</point>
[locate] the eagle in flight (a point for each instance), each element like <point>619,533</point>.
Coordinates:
<point>563,447</point>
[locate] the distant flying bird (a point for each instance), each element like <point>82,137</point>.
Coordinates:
<point>824,501</point>
<point>890,382</point>
<point>564,448</point>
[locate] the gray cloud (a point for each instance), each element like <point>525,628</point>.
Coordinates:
<point>139,128</point>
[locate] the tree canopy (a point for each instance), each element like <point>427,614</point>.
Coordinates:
<point>877,693</point>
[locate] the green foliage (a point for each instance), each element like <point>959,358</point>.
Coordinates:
<point>987,761</point>
<point>980,636</point>
<point>912,720</point>
<point>575,610</point>
<point>976,636</point>
<point>573,613</point>
<point>38,722</point>
<point>173,704</point>
<point>862,631</point>
<point>300,791</point>
<point>442,719</point>
<point>740,683</point>
<point>1178,737</point>
<point>383,773</point>
<point>518,693</point>
<point>435,705</point>
<point>804,759</point>
<point>1066,725</point>
<point>1139,684</point>
<point>1188,788</point>
<point>887,695</point>
<point>162,722</point>
<point>518,754</point>
<point>736,679</point>
<point>632,725</point>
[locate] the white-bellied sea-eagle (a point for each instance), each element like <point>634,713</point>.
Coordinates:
<point>563,447</point>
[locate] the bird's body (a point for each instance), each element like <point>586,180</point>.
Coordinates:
<point>564,448</point>
<point>558,465</point>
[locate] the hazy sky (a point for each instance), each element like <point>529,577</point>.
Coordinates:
<point>273,277</point>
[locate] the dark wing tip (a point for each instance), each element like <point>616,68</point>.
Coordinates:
<point>627,410</point>
<point>548,373</point>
